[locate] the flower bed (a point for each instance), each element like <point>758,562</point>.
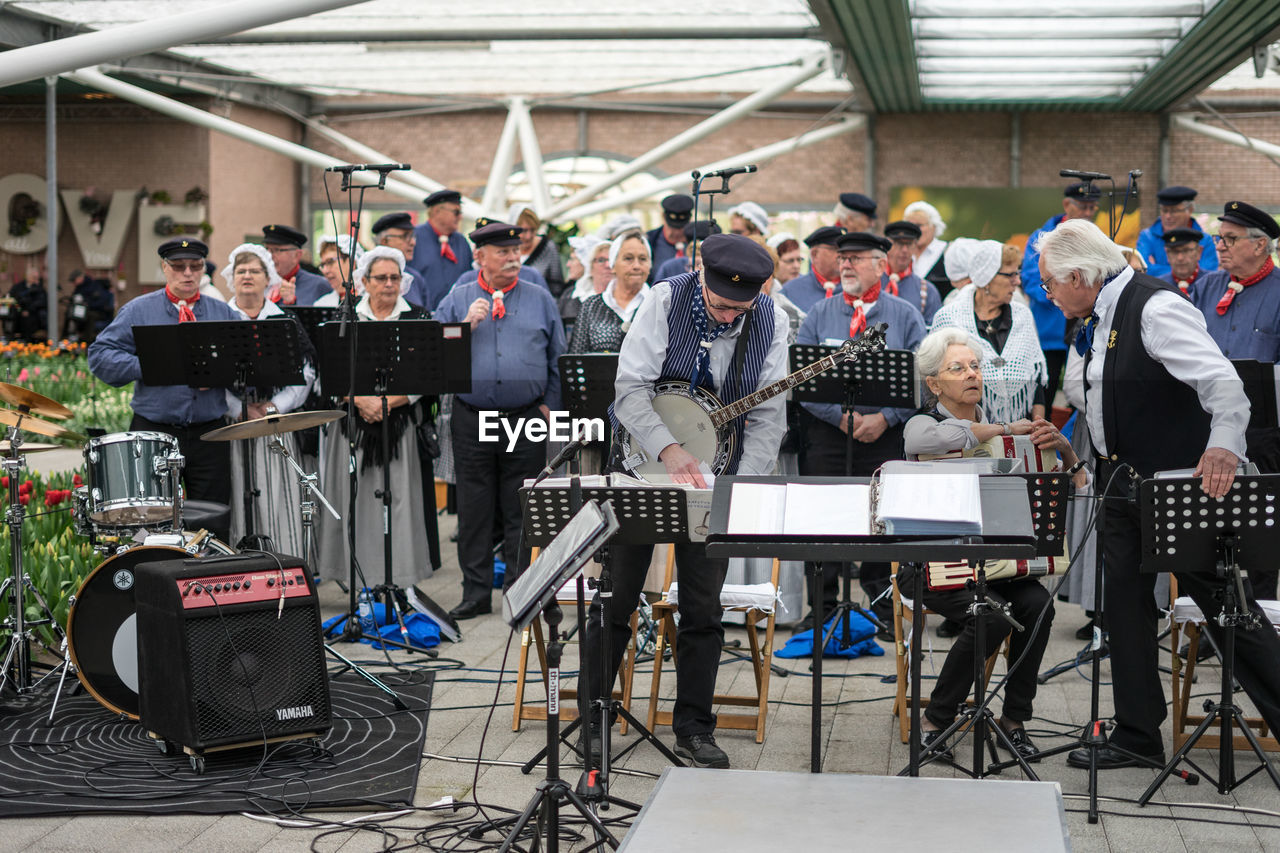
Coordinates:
<point>61,373</point>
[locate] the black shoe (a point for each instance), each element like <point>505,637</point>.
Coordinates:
<point>949,628</point>
<point>591,735</point>
<point>1021,744</point>
<point>928,738</point>
<point>471,609</point>
<point>1085,631</point>
<point>701,751</point>
<point>1203,653</point>
<point>805,624</point>
<point>1109,759</point>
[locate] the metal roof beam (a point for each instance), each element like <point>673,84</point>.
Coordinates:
<point>1188,122</point>
<point>1073,9</point>
<point>448,35</point>
<point>1071,48</point>
<point>1052,27</point>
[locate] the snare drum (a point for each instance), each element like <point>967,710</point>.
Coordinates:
<point>129,484</point>
<point>102,627</point>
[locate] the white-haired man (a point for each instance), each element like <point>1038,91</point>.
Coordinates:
<point>1159,395</point>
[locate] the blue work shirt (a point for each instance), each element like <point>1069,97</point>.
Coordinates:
<point>909,290</point>
<point>660,251</point>
<point>672,268</point>
<point>805,292</point>
<point>1251,326</point>
<point>514,360</point>
<point>1050,322</point>
<point>433,273</point>
<point>308,287</point>
<point>526,273</point>
<point>1191,288</point>
<point>828,325</point>
<point>1151,248</point>
<point>113,358</point>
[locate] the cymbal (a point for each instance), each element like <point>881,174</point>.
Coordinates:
<point>31,447</point>
<point>29,423</point>
<point>36,404</point>
<point>273,425</point>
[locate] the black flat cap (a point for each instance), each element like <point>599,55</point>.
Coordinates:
<point>703,228</point>
<point>442,197</point>
<point>1250,217</point>
<point>183,248</point>
<point>827,235</point>
<point>902,230</point>
<point>393,220</point>
<point>677,209</point>
<point>735,267</point>
<point>859,202</point>
<point>1082,191</point>
<point>283,235</point>
<point>1181,236</point>
<point>495,234</point>
<point>861,241</point>
<point>1175,195</point>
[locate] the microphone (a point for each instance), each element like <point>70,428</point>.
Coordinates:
<point>728,173</point>
<point>1084,176</point>
<point>370,167</point>
<point>570,450</point>
<point>1136,173</point>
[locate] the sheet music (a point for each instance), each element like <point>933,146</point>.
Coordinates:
<point>929,498</point>
<point>756,508</point>
<point>827,510</point>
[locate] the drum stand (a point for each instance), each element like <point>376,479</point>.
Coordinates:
<point>17,659</point>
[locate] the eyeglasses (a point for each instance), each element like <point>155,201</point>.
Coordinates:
<point>603,259</point>
<point>1050,283</point>
<point>857,259</point>
<point>385,279</point>
<point>1014,274</point>
<point>1230,240</point>
<point>328,262</point>
<point>179,266</point>
<point>958,369</point>
<point>406,236</point>
<point>736,309</point>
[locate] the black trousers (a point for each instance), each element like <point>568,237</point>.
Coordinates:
<point>824,456</point>
<point>1056,360</point>
<point>1026,598</point>
<point>206,475</point>
<point>1130,616</point>
<point>487,477</point>
<point>698,639</point>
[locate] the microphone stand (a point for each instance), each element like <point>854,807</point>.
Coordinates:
<point>724,175</point>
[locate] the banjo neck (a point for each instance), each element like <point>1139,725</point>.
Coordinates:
<point>740,407</point>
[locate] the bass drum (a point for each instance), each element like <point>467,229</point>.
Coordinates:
<point>102,627</point>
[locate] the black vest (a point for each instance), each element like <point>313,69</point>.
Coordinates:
<point>1150,420</point>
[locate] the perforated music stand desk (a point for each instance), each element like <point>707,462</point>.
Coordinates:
<point>312,318</point>
<point>1007,534</point>
<point>261,353</point>
<point>418,357</point>
<point>646,515</point>
<point>586,385</point>
<point>886,378</point>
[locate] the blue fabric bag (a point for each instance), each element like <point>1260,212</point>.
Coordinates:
<point>861,636</point>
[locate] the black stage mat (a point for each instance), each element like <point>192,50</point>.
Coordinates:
<point>90,762</point>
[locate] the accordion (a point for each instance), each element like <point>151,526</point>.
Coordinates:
<point>949,575</point>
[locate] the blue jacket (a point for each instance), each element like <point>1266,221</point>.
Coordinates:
<point>1151,248</point>
<point>1050,322</point>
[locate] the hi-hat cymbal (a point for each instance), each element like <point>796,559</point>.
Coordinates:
<point>273,425</point>
<point>30,447</point>
<point>30,423</point>
<point>30,401</point>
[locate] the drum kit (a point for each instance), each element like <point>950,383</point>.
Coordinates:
<point>131,509</point>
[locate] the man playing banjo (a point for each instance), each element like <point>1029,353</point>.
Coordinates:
<point>716,330</point>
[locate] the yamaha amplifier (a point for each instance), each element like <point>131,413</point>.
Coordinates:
<point>230,651</point>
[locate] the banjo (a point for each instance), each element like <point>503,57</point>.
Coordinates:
<point>702,424</point>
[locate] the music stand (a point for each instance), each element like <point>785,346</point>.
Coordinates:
<point>235,354</point>
<point>312,318</point>
<point>646,516</point>
<point>1259,381</point>
<point>885,379</point>
<point>586,386</point>
<point>391,358</point>
<point>1184,530</point>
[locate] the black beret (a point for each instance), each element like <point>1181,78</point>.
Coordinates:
<point>902,230</point>
<point>1250,217</point>
<point>495,234</point>
<point>827,235</point>
<point>1181,236</point>
<point>859,202</point>
<point>442,197</point>
<point>1175,195</point>
<point>735,267</point>
<point>183,248</point>
<point>861,241</point>
<point>703,228</point>
<point>283,235</point>
<point>1082,191</point>
<point>677,209</point>
<point>393,220</point>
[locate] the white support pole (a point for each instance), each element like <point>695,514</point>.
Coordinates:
<point>95,79</point>
<point>371,155</point>
<point>808,69</point>
<point>495,191</point>
<point>532,154</point>
<point>220,19</point>
<point>758,155</point>
<point>1229,136</point>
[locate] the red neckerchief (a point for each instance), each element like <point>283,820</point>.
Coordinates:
<point>274,295</point>
<point>1236,285</point>
<point>859,303</point>
<point>894,278</point>
<point>1185,286</point>
<point>499,306</point>
<point>679,250</point>
<point>446,251</point>
<point>185,314</point>
<point>828,284</point>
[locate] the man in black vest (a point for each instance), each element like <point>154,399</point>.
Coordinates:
<point>1159,395</point>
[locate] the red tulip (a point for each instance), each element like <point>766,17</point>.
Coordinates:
<point>76,481</point>
<point>24,498</point>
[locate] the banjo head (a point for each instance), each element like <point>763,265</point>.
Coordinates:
<point>686,413</point>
